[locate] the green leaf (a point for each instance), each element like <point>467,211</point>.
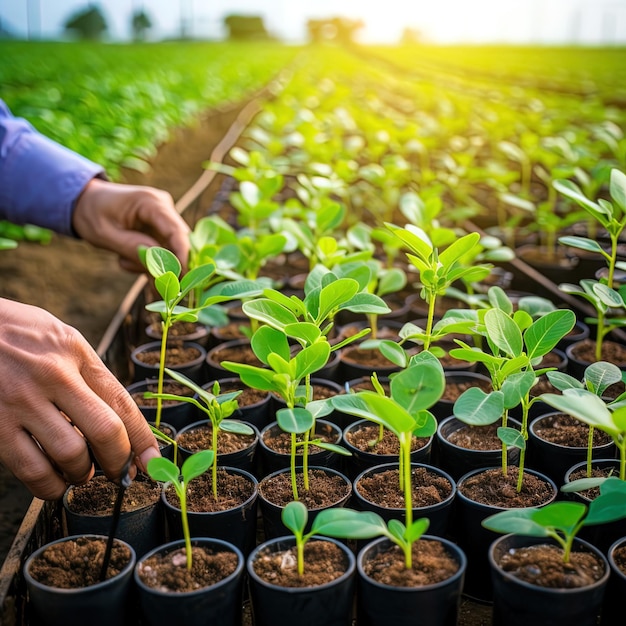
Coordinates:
<point>160,260</point>
<point>511,437</point>
<point>295,516</point>
<point>344,523</point>
<point>196,464</point>
<point>268,340</point>
<point>163,470</point>
<point>582,243</point>
<point>478,408</point>
<point>545,333</point>
<point>334,295</point>
<point>617,188</point>
<point>420,385</point>
<point>168,287</point>
<point>459,248</point>
<point>311,359</point>
<point>269,312</point>
<point>503,332</point>
<point>297,420</point>
<point>518,521</point>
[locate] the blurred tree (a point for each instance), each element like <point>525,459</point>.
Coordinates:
<point>338,29</point>
<point>411,36</point>
<point>87,24</point>
<point>245,27</point>
<point>141,24</point>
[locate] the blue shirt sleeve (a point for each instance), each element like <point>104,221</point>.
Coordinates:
<point>40,180</point>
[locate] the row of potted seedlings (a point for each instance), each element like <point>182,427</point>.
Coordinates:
<point>292,341</point>
<point>299,330</point>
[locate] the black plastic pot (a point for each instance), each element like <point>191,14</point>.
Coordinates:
<point>445,407</point>
<point>243,458</point>
<point>439,514</point>
<point>328,605</point>
<point>554,459</point>
<point>102,604</point>
<point>518,603</point>
<point>178,414</point>
<point>271,512</point>
<point>469,534</point>
<point>613,609</point>
<point>224,599</point>
<point>431,605</point>
<point>271,460</point>
<point>603,535</point>
<point>141,528</point>
<point>194,369</point>
<point>237,525</point>
<point>576,366</point>
<point>457,460</point>
<point>362,460</point>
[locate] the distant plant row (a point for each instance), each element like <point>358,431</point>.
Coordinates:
<point>116,103</point>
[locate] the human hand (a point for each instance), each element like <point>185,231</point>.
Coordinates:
<point>121,218</point>
<point>56,395</point>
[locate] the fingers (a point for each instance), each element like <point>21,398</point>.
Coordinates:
<point>55,396</point>
<point>121,218</point>
<point>109,419</point>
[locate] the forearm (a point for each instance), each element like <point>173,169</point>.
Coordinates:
<point>40,180</point>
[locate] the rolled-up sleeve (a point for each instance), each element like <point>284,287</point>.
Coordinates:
<point>40,180</point>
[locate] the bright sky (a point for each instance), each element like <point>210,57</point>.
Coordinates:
<point>442,21</point>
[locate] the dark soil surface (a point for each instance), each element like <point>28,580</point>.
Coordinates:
<point>78,563</point>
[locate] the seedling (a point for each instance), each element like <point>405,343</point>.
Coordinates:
<point>592,410</point>
<point>336,522</point>
<point>562,521</point>
<point>164,470</point>
<point>439,270</point>
<point>597,378</point>
<point>609,303</point>
<point>516,345</point>
<point>283,376</point>
<point>166,269</point>
<point>344,523</point>
<point>405,412</point>
<point>215,406</point>
<point>161,436</point>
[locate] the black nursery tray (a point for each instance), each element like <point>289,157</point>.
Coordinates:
<point>43,520</point>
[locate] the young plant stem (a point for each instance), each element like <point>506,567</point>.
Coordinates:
<point>294,485</point>
<point>164,333</point>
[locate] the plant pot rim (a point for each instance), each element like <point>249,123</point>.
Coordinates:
<point>123,515</point>
<point>383,457</point>
<point>451,547</point>
<point>376,469</point>
<point>610,555</point>
<point>451,418</point>
<point>289,540</point>
<point>155,346</point>
<point>274,424</point>
<point>230,470</point>
<point>287,470</point>
<point>595,463</point>
<point>207,422</point>
<point>79,590</point>
<point>233,379</point>
<point>171,546</point>
<point>578,543</point>
<point>535,423</point>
